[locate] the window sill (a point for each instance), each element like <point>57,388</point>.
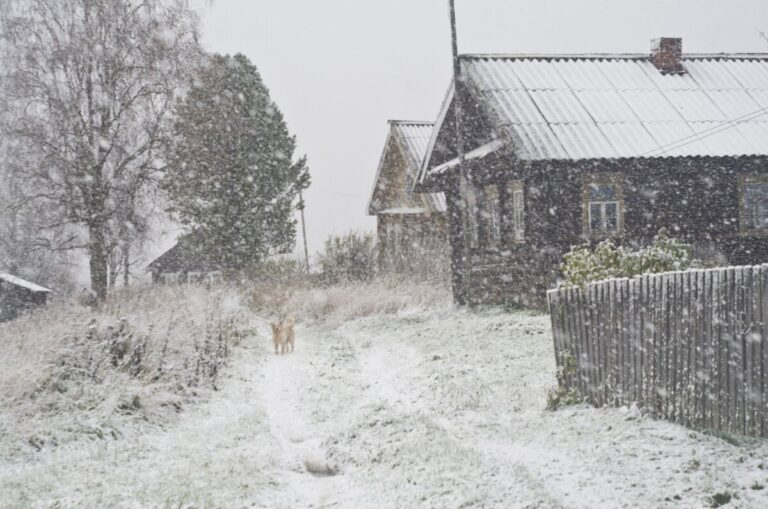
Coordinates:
<point>603,236</point>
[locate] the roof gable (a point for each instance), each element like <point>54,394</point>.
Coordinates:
<point>571,107</point>
<point>407,143</point>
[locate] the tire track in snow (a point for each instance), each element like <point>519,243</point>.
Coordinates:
<point>391,370</point>
<point>292,401</point>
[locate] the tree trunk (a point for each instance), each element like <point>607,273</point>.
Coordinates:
<point>97,250</point>
<point>126,263</point>
<point>113,270</point>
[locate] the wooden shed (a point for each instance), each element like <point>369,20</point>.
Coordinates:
<point>408,224</point>
<point>185,263</point>
<point>18,295</point>
<point>566,149</point>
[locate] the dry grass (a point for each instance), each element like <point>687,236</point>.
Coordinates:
<point>69,372</point>
<point>343,302</point>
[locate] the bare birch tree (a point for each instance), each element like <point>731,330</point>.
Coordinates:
<point>91,84</point>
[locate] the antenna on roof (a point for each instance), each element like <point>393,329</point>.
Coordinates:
<point>462,282</point>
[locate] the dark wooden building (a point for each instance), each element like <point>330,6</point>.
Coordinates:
<point>18,296</point>
<point>408,224</point>
<point>184,263</point>
<point>563,149</point>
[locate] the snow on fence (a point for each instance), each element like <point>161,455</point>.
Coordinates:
<point>689,347</point>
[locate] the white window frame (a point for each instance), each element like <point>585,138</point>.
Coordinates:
<point>748,225</point>
<point>518,212</point>
<point>618,201</point>
<point>514,210</point>
<point>492,210</point>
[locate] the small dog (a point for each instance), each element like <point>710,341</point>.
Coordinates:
<point>283,335</point>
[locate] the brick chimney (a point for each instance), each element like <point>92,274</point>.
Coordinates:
<point>667,55</point>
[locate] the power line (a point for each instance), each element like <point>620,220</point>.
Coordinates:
<point>723,126</point>
<point>337,193</point>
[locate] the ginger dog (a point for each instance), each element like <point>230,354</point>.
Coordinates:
<point>283,335</point>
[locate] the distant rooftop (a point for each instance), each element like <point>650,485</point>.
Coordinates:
<point>17,281</point>
<point>413,136</point>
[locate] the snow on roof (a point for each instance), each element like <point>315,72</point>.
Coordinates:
<point>17,281</point>
<point>414,137</point>
<point>571,107</point>
<point>404,211</point>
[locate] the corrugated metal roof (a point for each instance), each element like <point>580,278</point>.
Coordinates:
<point>609,106</point>
<point>414,138</point>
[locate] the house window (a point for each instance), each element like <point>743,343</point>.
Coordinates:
<point>603,207</point>
<point>754,212</point>
<point>492,215</point>
<point>516,210</point>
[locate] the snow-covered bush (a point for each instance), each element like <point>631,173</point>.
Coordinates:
<point>69,372</point>
<point>583,265</point>
<point>348,258</point>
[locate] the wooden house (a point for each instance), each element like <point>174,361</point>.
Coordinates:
<point>184,263</point>
<point>18,295</point>
<point>408,224</point>
<point>563,149</point>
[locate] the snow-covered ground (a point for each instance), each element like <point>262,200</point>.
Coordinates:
<point>422,408</point>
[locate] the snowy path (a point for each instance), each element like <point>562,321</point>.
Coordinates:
<point>432,409</point>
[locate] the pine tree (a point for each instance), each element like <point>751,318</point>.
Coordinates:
<point>231,178</point>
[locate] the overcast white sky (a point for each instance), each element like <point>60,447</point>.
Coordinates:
<point>339,69</point>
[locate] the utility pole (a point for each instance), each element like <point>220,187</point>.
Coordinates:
<point>462,252</point>
<point>302,205</point>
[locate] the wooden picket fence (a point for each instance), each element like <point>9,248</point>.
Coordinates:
<point>689,347</point>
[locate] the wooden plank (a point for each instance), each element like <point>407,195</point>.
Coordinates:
<point>729,276</point>
<point>747,350</point>
<point>615,341</point>
<point>614,345</point>
<point>585,353</point>
<point>585,331</point>
<point>734,319</point>
<point>738,355</point>
<point>691,346</point>
<point>635,343</point>
<point>754,394</point>
<point>684,385</point>
<point>621,346</point>
<point>764,352</point>
<point>703,349</point>
<point>603,328</point>
<point>669,294</point>
<point>582,318</point>
<point>573,344</point>
<point>555,316</point>
<point>642,296</point>
<point>590,338</point>
<point>605,322</point>
<point>713,281</point>
<point>717,314</point>
<point>661,330</point>
<point>654,352</point>
<point>677,289</point>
